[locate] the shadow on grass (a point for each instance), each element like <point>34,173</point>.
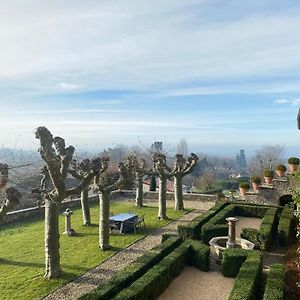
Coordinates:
<point>4,261</point>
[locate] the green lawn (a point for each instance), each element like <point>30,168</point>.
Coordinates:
<point>22,251</point>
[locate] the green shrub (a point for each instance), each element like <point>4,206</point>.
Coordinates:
<point>281,168</point>
<point>274,289</point>
<point>232,261</point>
<point>285,226</point>
<point>263,237</point>
<point>247,283</point>
<point>257,211</point>
<point>152,185</point>
<point>136,269</point>
<point>192,230</point>
<point>199,255</point>
<point>156,280</point>
<point>269,173</point>
<point>244,185</point>
<point>256,179</point>
<point>293,161</point>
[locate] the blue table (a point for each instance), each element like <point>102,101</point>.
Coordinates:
<point>123,220</point>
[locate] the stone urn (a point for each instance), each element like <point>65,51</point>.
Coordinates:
<point>244,188</point>
<point>268,180</point>
<point>293,168</point>
<point>280,170</point>
<point>293,163</point>
<point>255,186</point>
<point>280,173</point>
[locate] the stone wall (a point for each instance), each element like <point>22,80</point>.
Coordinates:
<point>269,194</point>
<point>32,212</point>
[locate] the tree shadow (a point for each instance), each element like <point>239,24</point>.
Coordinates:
<point>4,261</point>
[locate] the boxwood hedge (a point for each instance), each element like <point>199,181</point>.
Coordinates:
<point>247,284</point>
<point>136,269</point>
<point>192,230</point>
<point>274,289</point>
<point>285,226</point>
<point>263,237</point>
<point>232,261</point>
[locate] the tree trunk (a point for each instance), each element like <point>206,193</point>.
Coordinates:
<point>139,191</point>
<point>104,220</point>
<point>53,269</point>
<point>162,215</point>
<point>178,193</point>
<point>86,216</point>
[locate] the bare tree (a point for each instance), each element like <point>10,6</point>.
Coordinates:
<point>163,171</point>
<point>139,169</point>
<point>267,157</point>
<point>80,171</point>
<point>182,148</point>
<point>182,167</point>
<point>13,196</point>
<point>57,159</point>
<point>104,185</point>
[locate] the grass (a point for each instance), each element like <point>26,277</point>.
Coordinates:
<point>22,250</point>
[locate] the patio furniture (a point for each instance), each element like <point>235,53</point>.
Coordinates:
<point>124,221</point>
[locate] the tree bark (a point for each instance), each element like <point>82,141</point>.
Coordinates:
<point>178,193</point>
<point>162,214</point>
<point>139,191</point>
<point>52,256</point>
<point>86,216</point>
<point>104,220</point>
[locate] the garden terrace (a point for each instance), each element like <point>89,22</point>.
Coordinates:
<point>24,266</point>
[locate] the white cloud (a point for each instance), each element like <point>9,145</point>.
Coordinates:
<point>137,45</point>
<point>289,101</point>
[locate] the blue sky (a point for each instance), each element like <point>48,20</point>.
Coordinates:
<point>224,75</point>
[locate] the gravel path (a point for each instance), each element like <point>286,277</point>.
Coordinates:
<point>108,268</point>
<point>193,284</point>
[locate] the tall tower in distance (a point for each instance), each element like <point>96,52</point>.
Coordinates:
<point>241,160</point>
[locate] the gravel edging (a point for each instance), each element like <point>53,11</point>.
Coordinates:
<point>103,272</point>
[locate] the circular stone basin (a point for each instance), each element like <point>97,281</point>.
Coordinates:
<point>218,246</point>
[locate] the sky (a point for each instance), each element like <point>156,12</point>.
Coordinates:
<point>224,75</point>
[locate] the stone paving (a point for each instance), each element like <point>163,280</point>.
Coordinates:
<point>114,264</point>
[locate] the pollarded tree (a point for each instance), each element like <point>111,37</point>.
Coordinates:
<point>13,197</point>
<point>104,184</point>
<point>182,167</point>
<point>57,159</point>
<point>139,169</point>
<point>163,170</point>
<point>12,194</point>
<point>80,171</point>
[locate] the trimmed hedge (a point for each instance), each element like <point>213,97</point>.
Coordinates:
<point>285,226</point>
<point>232,261</point>
<point>157,279</point>
<point>192,230</point>
<point>135,270</point>
<point>247,284</point>
<point>199,255</point>
<point>274,289</point>
<point>213,227</point>
<point>263,237</point>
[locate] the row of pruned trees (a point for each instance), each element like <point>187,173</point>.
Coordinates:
<point>59,164</point>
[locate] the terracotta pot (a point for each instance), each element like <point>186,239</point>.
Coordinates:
<point>280,173</point>
<point>243,191</point>
<point>268,180</point>
<point>255,186</point>
<point>293,168</point>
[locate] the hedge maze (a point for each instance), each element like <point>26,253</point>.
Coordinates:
<point>150,275</point>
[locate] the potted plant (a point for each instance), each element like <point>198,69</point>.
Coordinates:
<point>244,188</point>
<point>280,170</point>
<point>268,176</point>
<point>293,163</point>
<point>256,181</point>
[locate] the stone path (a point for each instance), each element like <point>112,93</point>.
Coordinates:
<point>114,264</point>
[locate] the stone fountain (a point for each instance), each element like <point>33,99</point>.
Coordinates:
<point>220,243</point>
